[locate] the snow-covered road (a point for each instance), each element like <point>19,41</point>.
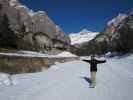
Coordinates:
<point>68,81</point>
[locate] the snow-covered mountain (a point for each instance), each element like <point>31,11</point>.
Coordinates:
<point>82,37</point>
<point>115,21</point>
<point>120,30</point>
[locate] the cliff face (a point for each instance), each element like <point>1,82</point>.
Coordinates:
<point>119,33</point>
<point>114,23</point>
<point>118,37</point>
<point>122,39</point>
<point>33,30</point>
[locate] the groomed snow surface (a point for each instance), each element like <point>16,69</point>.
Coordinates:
<point>70,81</point>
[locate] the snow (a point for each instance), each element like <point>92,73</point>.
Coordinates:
<point>4,79</point>
<point>115,21</point>
<point>58,28</point>
<point>13,2</point>
<point>83,36</point>
<point>70,81</point>
<point>7,80</point>
<point>65,54</point>
<point>41,12</point>
<point>84,31</point>
<point>17,5</point>
<point>30,52</point>
<point>31,13</point>
<point>22,6</point>
<point>23,53</point>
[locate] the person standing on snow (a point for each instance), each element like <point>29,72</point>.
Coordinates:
<point>93,69</point>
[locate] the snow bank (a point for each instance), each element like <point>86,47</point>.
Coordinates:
<point>38,54</point>
<point>23,53</point>
<point>31,53</point>
<point>54,67</point>
<point>65,54</point>
<point>4,79</point>
<point>7,80</point>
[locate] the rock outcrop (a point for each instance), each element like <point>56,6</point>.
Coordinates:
<point>118,37</point>
<point>122,38</point>
<point>32,30</point>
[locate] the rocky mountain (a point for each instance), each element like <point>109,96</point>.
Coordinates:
<point>114,23</point>
<point>81,41</point>
<point>28,29</point>
<point>122,38</point>
<point>82,37</point>
<point>118,37</point>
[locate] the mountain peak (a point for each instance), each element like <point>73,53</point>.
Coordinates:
<point>84,31</point>
<point>83,36</point>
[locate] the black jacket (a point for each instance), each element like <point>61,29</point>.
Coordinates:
<point>93,64</point>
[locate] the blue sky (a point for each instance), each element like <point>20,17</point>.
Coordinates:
<point>74,15</point>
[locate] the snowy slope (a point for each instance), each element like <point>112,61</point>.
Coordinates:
<point>115,21</point>
<point>68,81</point>
<point>83,36</point>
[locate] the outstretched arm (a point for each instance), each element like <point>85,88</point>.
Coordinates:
<point>101,61</point>
<point>88,61</point>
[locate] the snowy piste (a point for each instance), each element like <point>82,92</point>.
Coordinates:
<point>70,81</point>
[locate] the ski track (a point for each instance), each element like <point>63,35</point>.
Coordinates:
<point>66,82</point>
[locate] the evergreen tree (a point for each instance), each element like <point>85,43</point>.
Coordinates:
<point>7,36</point>
<point>0,6</point>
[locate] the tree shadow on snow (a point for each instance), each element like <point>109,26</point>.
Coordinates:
<point>87,79</point>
